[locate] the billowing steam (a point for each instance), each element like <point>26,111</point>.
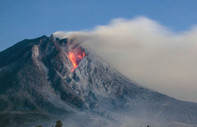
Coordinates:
<point>147,53</point>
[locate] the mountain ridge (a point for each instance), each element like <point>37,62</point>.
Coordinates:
<point>36,76</point>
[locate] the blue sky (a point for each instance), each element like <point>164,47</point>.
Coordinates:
<point>20,19</point>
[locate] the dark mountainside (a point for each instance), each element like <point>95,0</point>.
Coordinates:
<point>37,85</point>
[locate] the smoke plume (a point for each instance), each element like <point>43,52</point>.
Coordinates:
<point>147,53</point>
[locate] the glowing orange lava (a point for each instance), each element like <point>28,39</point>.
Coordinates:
<point>75,57</point>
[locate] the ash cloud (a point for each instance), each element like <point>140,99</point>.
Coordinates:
<point>147,53</point>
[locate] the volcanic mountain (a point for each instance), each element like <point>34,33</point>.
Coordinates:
<point>49,78</point>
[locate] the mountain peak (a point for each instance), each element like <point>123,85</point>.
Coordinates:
<point>50,76</point>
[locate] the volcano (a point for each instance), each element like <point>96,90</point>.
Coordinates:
<point>47,78</point>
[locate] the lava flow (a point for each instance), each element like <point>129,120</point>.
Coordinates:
<point>75,57</point>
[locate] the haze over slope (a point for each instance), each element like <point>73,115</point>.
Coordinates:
<point>149,53</point>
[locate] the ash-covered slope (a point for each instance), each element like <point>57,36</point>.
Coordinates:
<point>38,81</point>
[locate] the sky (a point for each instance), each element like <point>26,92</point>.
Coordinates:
<point>22,19</point>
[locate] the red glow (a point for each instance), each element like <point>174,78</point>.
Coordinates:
<point>75,57</point>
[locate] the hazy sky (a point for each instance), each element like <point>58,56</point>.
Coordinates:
<point>20,19</point>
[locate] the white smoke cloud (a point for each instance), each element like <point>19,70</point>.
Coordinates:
<point>148,53</point>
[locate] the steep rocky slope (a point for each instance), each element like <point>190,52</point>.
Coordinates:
<point>38,81</point>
